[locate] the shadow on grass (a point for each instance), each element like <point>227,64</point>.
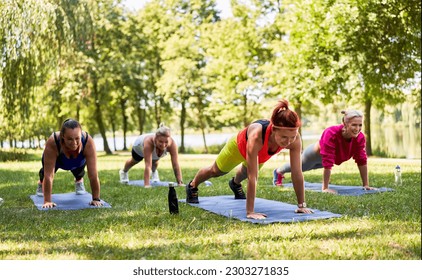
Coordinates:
<point>162,237</point>
<point>140,227</point>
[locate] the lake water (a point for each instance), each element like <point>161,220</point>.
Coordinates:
<point>387,141</point>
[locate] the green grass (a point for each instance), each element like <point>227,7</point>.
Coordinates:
<point>384,226</point>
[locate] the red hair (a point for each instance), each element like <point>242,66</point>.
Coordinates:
<point>284,117</point>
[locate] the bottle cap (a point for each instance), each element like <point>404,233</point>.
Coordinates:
<point>398,167</point>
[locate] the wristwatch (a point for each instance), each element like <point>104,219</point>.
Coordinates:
<point>302,205</point>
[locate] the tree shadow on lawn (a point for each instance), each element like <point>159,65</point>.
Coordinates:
<point>17,186</point>
<point>134,236</point>
<point>143,212</point>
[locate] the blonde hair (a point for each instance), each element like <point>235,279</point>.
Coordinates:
<point>350,114</point>
<point>163,130</point>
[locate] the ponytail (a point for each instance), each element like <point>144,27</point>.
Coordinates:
<point>163,130</point>
<point>284,117</point>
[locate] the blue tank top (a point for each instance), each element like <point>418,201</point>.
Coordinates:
<point>70,163</point>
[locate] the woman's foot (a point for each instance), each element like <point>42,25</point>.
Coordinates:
<point>277,178</point>
<point>329,191</point>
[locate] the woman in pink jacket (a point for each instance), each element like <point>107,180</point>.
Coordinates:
<point>337,144</point>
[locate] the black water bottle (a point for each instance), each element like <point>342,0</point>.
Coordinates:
<point>173,202</point>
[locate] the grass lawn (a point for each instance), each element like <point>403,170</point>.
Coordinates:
<point>384,226</point>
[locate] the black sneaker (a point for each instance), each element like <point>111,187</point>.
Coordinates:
<point>237,189</point>
<point>191,194</point>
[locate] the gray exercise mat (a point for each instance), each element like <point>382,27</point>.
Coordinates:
<point>276,211</point>
<point>341,190</point>
<point>68,201</point>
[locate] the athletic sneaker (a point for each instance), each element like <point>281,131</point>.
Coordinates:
<point>124,177</point>
<point>277,178</point>
<point>191,194</point>
<point>237,190</point>
<point>39,190</point>
<point>154,176</point>
<point>80,187</point>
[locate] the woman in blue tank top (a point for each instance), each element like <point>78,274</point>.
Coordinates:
<point>69,149</point>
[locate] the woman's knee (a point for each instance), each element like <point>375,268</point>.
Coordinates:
<point>215,171</point>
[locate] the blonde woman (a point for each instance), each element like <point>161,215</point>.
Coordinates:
<point>151,148</point>
<point>337,144</point>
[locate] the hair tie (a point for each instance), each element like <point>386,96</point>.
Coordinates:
<point>285,127</point>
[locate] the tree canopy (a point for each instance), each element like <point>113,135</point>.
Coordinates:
<point>179,62</point>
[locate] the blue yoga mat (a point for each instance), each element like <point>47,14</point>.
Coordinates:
<point>341,190</point>
<point>68,201</point>
<point>276,211</point>
<point>140,183</point>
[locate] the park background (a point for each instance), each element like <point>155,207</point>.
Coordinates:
<point>122,72</point>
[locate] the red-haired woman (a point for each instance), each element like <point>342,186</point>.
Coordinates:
<point>253,146</point>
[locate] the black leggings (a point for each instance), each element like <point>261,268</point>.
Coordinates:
<point>78,173</point>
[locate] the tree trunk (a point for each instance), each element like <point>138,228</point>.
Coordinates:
<point>182,127</point>
<point>367,125</point>
<point>202,125</point>
<point>298,110</point>
<point>98,115</point>
<point>141,119</point>
<point>157,109</point>
<point>124,118</point>
<point>113,128</point>
<point>101,128</point>
<point>245,111</point>
<point>140,110</point>
<point>203,138</point>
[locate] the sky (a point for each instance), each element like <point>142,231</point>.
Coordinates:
<point>222,5</point>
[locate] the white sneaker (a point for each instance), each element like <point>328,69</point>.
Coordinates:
<point>124,177</point>
<point>39,190</point>
<point>80,188</point>
<point>154,176</point>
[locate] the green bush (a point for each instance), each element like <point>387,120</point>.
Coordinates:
<point>16,155</point>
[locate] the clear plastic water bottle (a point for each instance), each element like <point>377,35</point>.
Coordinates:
<point>172,199</point>
<point>397,176</point>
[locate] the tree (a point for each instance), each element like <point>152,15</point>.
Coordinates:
<point>183,59</point>
<point>234,53</point>
<point>25,27</point>
<point>364,52</point>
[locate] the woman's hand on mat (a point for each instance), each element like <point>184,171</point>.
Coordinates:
<point>147,186</point>
<point>368,188</point>
<point>96,203</point>
<point>329,191</point>
<point>49,205</point>
<point>304,210</point>
<point>256,216</point>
